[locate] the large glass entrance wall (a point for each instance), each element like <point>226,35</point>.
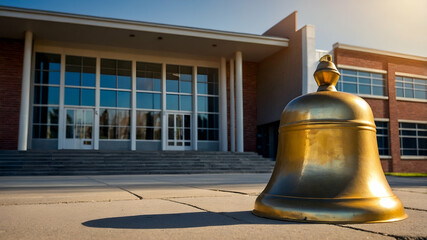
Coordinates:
<point>131,102</point>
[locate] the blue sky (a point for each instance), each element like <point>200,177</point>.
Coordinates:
<point>392,25</point>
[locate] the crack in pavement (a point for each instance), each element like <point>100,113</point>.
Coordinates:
<point>205,210</point>
<point>397,237</point>
<point>116,186</point>
<point>416,209</point>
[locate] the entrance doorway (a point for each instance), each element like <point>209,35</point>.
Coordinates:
<point>179,131</point>
<point>78,128</point>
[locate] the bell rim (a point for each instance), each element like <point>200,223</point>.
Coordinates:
<point>384,214</point>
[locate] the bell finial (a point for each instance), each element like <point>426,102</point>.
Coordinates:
<point>326,74</point>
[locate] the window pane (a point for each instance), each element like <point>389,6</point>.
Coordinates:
<point>350,88</point>
<point>157,101</point>
<point>108,98</point>
<point>213,121</point>
<point>202,120</point>
<point>186,103</point>
<point>349,79</point>
<point>72,76</point>
<point>185,87</point>
<point>50,95</point>
<point>202,134</point>
<point>348,72</point>
<point>123,117</point>
<point>144,84</point>
<point>409,93</point>
<point>409,142</point>
<point>202,104</point>
<point>46,61</point>
<point>108,79</point>
<point>420,94</point>
<point>123,99</point>
<point>171,102</point>
<point>51,77</point>
<point>378,90</point>
<point>213,104</point>
<point>365,80</point>
<point>213,88</point>
<point>399,92</point>
<point>124,82</point>
<point>364,89</point>
<point>144,100</point>
<point>157,84</point>
<point>72,96</point>
<point>202,88</point>
<point>108,117</point>
<point>88,97</point>
<point>88,79</point>
<point>172,85</point>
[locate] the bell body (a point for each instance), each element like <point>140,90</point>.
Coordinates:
<point>328,167</point>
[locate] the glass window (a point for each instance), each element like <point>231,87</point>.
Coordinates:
<point>108,98</point>
<point>411,87</point>
<point>383,138</point>
<point>46,95</point>
<point>413,139</point>
<point>114,124</point>
<point>361,82</point>
<point>148,125</point>
<point>207,104</point>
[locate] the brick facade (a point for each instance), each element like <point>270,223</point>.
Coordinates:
<point>391,108</point>
<point>249,105</point>
<point>11,60</point>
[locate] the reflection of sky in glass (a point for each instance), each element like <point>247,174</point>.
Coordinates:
<point>171,102</point>
<point>123,99</point>
<point>88,97</point>
<point>72,96</point>
<point>108,98</point>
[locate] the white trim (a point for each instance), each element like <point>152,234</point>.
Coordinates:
<point>61,112</point>
<point>404,157</point>
<point>380,52</point>
<point>140,26</point>
<point>385,157</point>
<point>372,70</point>
<point>382,119</point>
<point>133,111</point>
<point>411,121</point>
<point>372,96</point>
<point>402,74</point>
<point>411,99</point>
<point>309,60</point>
<point>97,103</point>
<point>164,114</point>
<point>194,126</point>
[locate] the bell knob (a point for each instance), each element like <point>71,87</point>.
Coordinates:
<point>326,74</point>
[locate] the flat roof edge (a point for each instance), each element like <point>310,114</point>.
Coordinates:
<point>380,52</point>
<point>133,25</point>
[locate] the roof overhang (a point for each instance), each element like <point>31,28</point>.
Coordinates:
<point>379,52</point>
<point>64,27</point>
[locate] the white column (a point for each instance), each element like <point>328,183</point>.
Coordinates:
<point>61,121</point>
<point>232,109</point>
<point>97,103</point>
<point>164,116</point>
<point>133,112</point>
<point>239,103</point>
<point>223,105</point>
<point>25,93</point>
<point>194,126</point>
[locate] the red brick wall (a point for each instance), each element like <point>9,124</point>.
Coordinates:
<point>249,105</point>
<point>11,59</point>
<point>392,108</point>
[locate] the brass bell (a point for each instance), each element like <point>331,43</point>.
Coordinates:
<point>328,167</point>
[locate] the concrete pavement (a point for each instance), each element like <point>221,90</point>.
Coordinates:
<point>206,206</point>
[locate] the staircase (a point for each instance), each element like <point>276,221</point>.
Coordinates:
<point>65,162</point>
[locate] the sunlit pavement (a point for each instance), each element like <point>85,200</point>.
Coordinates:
<point>205,206</point>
